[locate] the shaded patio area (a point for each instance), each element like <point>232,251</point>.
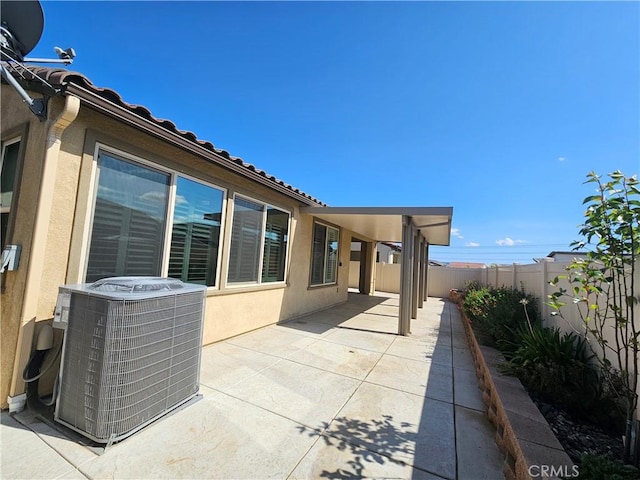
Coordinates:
<point>335,394</point>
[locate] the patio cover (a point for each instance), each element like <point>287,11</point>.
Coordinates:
<point>384,224</point>
<point>416,227</point>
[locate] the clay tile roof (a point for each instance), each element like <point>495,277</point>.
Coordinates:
<point>61,79</point>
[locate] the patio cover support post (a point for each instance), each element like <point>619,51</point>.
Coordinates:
<point>366,281</point>
<point>406,276</point>
<point>422,278</point>
<point>425,292</point>
<point>415,281</point>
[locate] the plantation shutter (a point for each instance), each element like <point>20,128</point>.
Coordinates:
<point>275,245</point>
<point>129,220</point>
<point>195,235</point>
<point>317,254</point>
<point>331,273</point>
<point>244,255</point>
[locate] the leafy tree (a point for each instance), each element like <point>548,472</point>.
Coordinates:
<point>603,289</point>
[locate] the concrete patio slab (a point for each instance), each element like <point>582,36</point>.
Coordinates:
<point>465,390</point>
<point>424,330</point>
<point>462,359</point>
<point>334,458</point>
<point>370,322</point>
<point>419,377</point>
<point>411,428</point>
<point>74,448</point>
<point>272,341</point>
<point>306,326</point>
<point>304,399</point>
<point>329,318</point>
<point>385,310</point>
<point>225,364</point>
<point>25,456</point>
<point>427,333</point>
<point>365,340</point>
<point>217,437</point>
<point>459,340</point>
<point>305,394</point>
<point>438,352</point>
<point>477,457</point>
<point>333,357</point>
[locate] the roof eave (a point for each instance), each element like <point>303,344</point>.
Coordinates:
<point>103,105</point>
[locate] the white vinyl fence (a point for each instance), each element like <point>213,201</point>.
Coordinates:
<point>533,278</point>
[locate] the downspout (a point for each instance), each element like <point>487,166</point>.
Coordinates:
<point>35,266</point>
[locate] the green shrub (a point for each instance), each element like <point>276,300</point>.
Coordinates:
<point>557,366</point>
<point>478,303</point>
<point>599,467</point>
<point>498,312</point>
<point>472,285</point>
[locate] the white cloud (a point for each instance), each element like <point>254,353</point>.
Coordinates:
<point>561,159</point>
<point>180,200</point>
<point>153,196</point>
<point>456,233</point>
<point>508,242</point>
<point>472,244</point>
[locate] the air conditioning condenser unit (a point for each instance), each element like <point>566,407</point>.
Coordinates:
<point>132,350</point>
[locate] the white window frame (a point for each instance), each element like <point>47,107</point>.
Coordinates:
<point>172,202</point>
<point>325,258</point>
<point>173,187</point>
<point>259,282</point>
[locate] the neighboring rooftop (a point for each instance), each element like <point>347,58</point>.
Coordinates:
<point>560,256</point>
<point>467,265</point>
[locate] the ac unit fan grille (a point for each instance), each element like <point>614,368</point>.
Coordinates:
<point>126,362</point>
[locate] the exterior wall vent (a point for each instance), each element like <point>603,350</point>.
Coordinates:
<point>132,352</point>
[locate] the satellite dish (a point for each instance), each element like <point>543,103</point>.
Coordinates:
<point>22,24</point>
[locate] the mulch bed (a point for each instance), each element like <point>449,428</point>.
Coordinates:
<point>577,436</point>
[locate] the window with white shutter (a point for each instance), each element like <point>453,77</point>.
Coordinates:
<point>195,239</point>
<point>131,217</point>
<point>129,220</point>
<point>259,237</point>
<point>276,236</point>
<point>324,255</point>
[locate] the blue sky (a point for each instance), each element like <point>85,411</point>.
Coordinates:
<point>498,109</point>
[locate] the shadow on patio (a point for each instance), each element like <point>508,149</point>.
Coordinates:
<point>374,313</point>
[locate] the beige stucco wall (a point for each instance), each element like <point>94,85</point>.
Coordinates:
<point>17,120</point>
<point>235,311</point>
<point>229,311</point>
